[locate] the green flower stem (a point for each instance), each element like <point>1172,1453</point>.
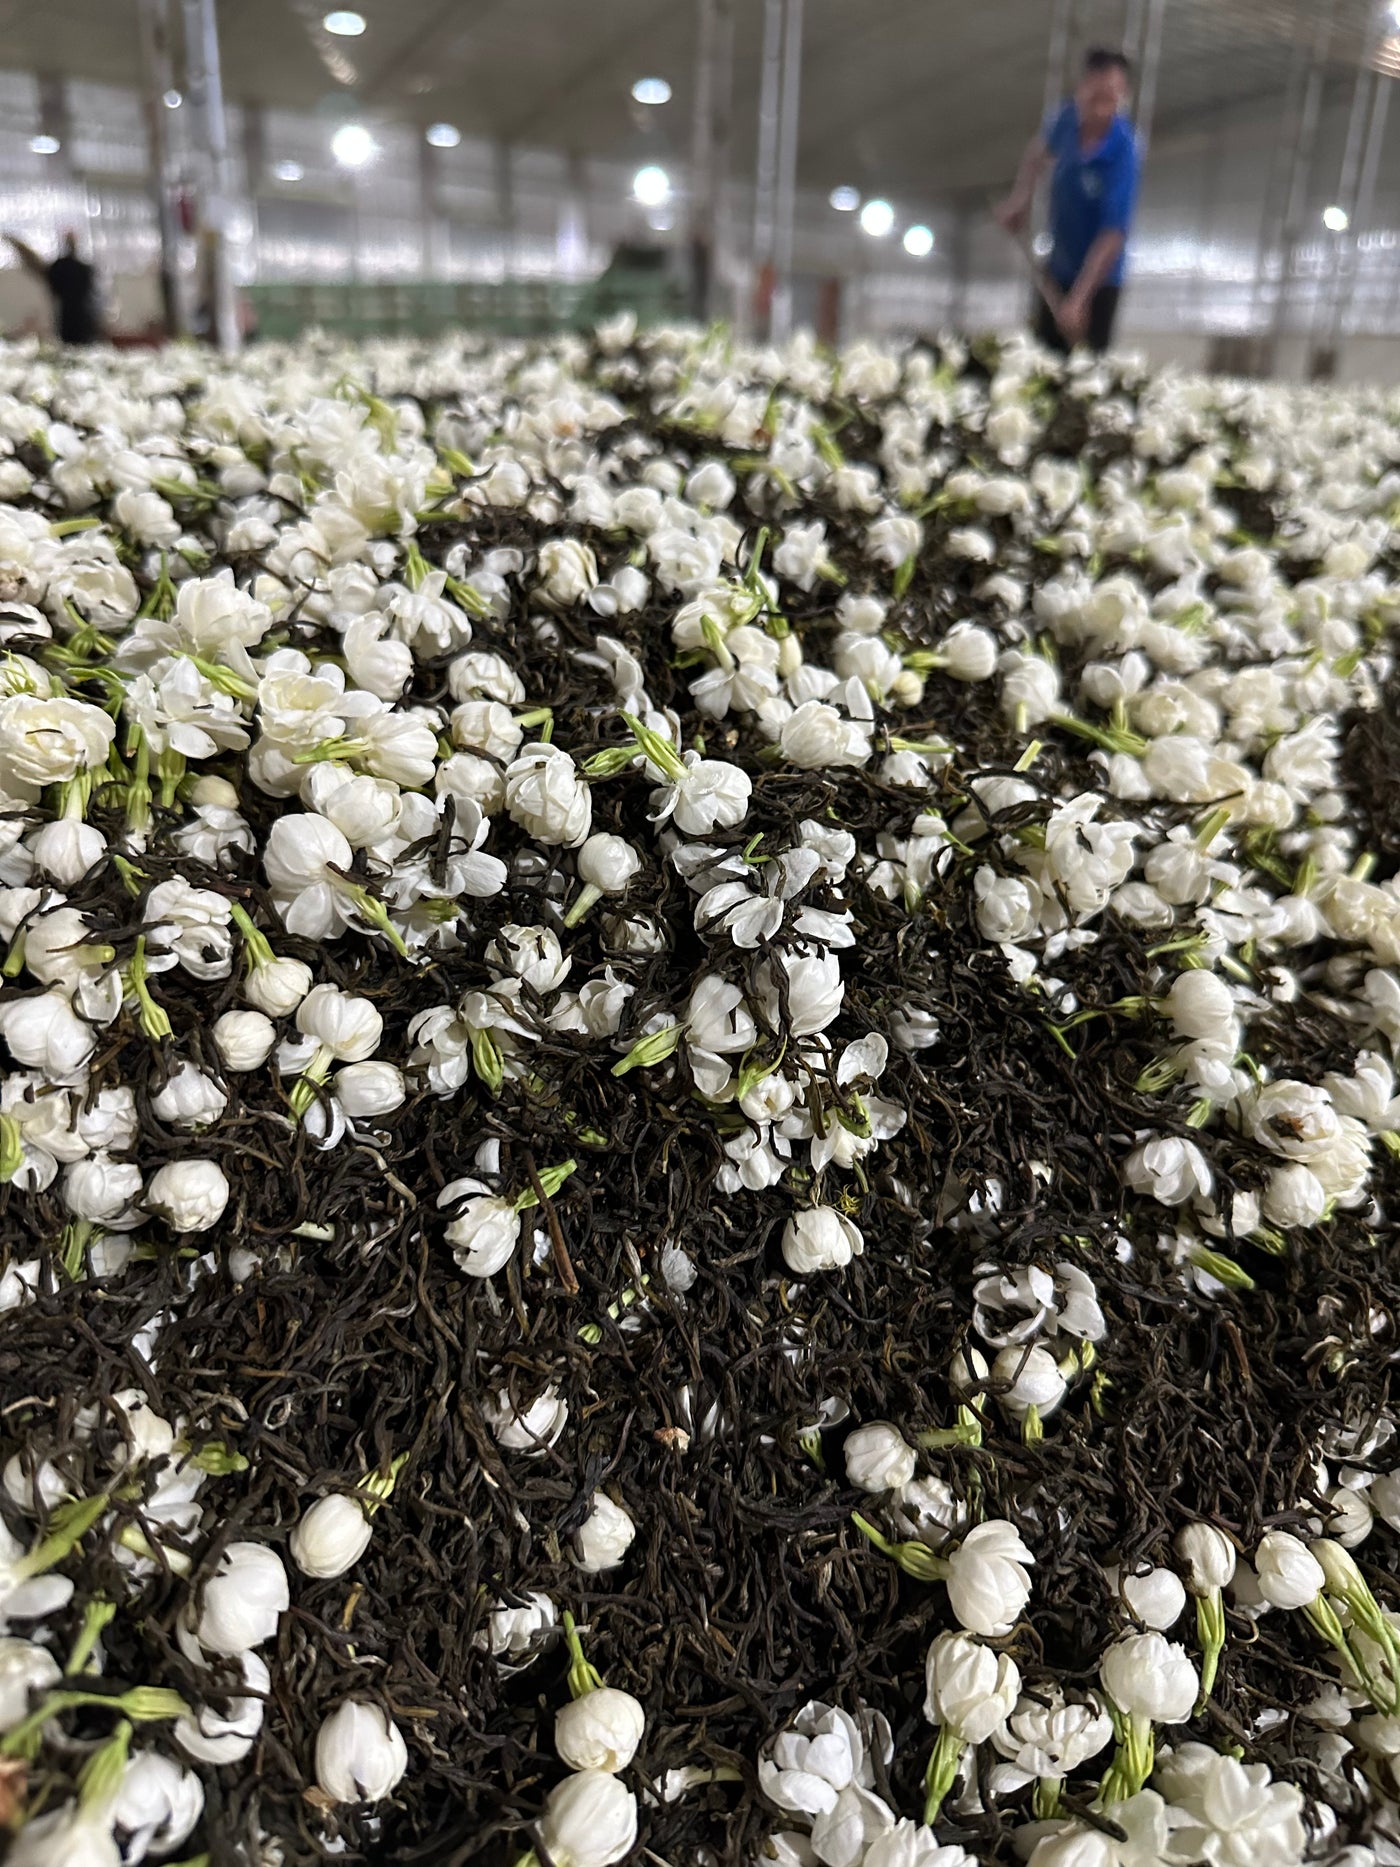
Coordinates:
<point>152,1018</point>
<point>97,1615</point>
<point>588,895</point>
<point>1106,737</point>
<point>72,1247</point>
<point>942,1772</point>
<point>649,1051</point>
<point>583,1678</point>
<point>1323,1617</point>
<point>258,950</point>
<point>71,1523</point>
<point>224,679</point>
<point>916,1559</point>
<point>660,751</point>
<point>370,909</point>
<point>488,1061</point>
<point>551,1179</point>
<point>1224,1270</point>
<point>311,1079</point>
<point>1210,1631</point>
<point>1047,1798</point>
<point>11,1149</point>
<point>1132,1760</point>
<point>138,789</point>
<point>377,1487</point>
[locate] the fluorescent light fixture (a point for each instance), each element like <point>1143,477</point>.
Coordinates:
<point>353,146</point>
<point>172,100</point>
<point>847,200</point>
<point>657,91</point>
<point>288,171</point>
<point>918,241</point>
<point>443,135</point>
<point>876,218</point>
<point>1334,219</point>
<point>344,24</point>
<point>44,145</point>
<point>651,185</point>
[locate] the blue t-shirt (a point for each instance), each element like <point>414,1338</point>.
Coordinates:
<point>1091,191</point>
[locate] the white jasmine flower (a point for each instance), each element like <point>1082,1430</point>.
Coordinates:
<point>879,1458</point>
<point>603,1539</point>
<point>820,1239</point>
<point>243,1601</point>
<point>190,1195</point>
<point>360,1754</point>
<point>331,1536</point>
<point>599,1731</point>
<point>590,1820</point>
<point>987,1581</point>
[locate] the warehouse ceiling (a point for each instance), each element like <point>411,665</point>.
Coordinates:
<point>896,94</point>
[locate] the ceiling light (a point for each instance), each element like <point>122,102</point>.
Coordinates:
<point>288,171</point>
<point>172,100</point>
<point>1335,219</point>
<point>1042,246</point>
<point>876,218</point>
<point>344,25</point>
<point>1394,11</point>
<point>651,185</point>
<point>353,146</point>
<point>847,200</point>
<point>443,135</point>
<point>918,241</point>
<point>44,145</point>
<point>657,91</point>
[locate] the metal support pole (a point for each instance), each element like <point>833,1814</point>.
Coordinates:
<point>1147,81</point>
<point>431,259</point>
<point>709,150</point>
<point>1057,55</point>
<point>1331,299</point>
<point>505,205</point>
<point>1300,176</point>
<point>786,202</point>
<point>206,94</point>
<point>960,264</point>
<point>766,174</point>
<point>1132,30</point>
<point>1268,257</point>
<point>1360,210</point>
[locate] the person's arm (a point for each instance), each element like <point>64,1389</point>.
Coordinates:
<point>1102,257</point>
<point>1099,261</point>
<point>28,258</point>
<point>1014,211</point>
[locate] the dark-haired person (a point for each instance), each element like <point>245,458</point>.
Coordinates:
<point>73,284</point>
<point>1092,153</point>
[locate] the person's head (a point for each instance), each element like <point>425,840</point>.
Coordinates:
<point>1102,90</point>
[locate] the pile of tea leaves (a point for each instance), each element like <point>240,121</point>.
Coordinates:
<point>698,1117</point>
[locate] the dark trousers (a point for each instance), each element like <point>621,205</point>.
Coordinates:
<point>1103,309</point>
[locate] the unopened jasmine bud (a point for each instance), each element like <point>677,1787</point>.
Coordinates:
<point>360,1754</point>
<point>879,1458</point>
<point>599,1731</point>
<point>331,1536</point>
<point>604,1537</point>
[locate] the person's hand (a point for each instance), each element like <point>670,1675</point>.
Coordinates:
<point>1013,213</point>
<point>1073,318</point>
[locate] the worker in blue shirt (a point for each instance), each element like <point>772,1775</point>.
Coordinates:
<point>1090,148</point>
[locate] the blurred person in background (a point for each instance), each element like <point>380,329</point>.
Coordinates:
<point>1089,147</point>
<point>73,285</point>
